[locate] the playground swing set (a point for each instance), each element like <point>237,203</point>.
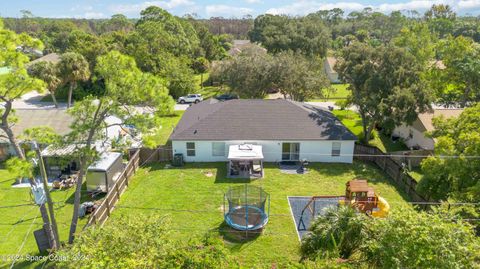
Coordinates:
<point>358,195</point>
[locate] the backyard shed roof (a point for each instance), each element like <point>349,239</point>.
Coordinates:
<point>64,151</point>
<point>105,162</point>
<point>257,119</point>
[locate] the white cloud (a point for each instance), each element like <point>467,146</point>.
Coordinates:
<point>94,15</point>
<point>81,8</point>
<point>134,9</point>
<point>227,11</point>
<point>468,4</point>
<point>253,1</point>
<point>303,7</point>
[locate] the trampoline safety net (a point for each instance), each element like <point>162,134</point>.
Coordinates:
<point>245,207</point>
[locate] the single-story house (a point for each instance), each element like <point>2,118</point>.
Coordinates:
<point>414,135</point>
<point>329,66</point>
<point>57,119</point>
<point>240,45</point>
<point>285,130</point>
<point>51,57</point>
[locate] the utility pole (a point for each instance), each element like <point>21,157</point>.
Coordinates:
<point>47,195</point>
<point>39,195</point>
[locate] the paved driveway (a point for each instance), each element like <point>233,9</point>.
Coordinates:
<point>179,107</point>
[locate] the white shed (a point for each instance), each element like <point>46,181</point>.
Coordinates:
<point>102,174</point>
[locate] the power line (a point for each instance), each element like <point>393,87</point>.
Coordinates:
<point>15,225</point>
<point>14,206</point>
<point>219,212</point>
<point>23,243</point>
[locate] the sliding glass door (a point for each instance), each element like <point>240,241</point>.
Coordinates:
<point>290,151</point>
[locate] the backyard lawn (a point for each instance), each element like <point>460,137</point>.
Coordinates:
<point>352,121</point>
<point>18,223</point>
<point>193,199</point>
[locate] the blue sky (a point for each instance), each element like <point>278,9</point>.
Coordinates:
<point>209,8</point>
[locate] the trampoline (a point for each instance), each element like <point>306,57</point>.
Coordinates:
<point>246,207</point>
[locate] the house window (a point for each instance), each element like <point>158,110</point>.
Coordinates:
<point>218,148</point>
<point>336,148</point>
<point>191,149</point>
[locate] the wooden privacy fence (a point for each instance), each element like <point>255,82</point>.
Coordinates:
<point>412,158</point>
<point>160,154</point>
<point>101,214</point>
<point>392,168</point>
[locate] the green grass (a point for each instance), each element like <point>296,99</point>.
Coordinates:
<point>340,92</point>
<point>168,123</point>
<point>194,201</point>
<point>208,91</point>
<point>352,121</point>
<point>15,222</point>
<point>416,173</point>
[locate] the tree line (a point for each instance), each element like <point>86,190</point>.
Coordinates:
<point>162,44</point>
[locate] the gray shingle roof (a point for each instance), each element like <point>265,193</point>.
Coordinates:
<point>51,57</point>
<point>58,119</point>
<point>258,119</point>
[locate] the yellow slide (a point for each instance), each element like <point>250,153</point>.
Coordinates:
<point>383,208</point>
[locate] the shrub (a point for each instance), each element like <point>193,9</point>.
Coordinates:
<point>141,241</point>
<point>337,233</point>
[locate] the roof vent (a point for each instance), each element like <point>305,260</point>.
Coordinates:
<point>195,132</point>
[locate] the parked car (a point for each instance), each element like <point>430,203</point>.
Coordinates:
<point>227,96</point>
<point>191,98</point>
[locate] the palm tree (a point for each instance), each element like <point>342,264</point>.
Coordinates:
<point>73,68</point>
<point>340,231</point>
<point>48,72</point>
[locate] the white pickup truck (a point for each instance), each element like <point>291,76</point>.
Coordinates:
<point>190,98</point>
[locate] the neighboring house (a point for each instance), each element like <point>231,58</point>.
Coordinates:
<point>286,131</point>
<point>239,45</point>
<point>415,136</point>
<point>329,66</point>
<point>57,119</point>
<point>52,58</point>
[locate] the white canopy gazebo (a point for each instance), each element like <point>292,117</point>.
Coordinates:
<point>245,161</point>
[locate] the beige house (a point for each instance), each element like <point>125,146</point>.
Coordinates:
<point>329,65</point>
<point>415,136</point>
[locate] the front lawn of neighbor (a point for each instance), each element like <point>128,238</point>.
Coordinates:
<point>352,121</point>
<point>208,91</point>
<point>20,217</point>
<point>167,124</point>
<point>416,173</point>
<point>193,201</point>
<point>340,92</point>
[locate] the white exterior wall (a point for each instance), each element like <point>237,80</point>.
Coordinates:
<point>330,72</point>
<point>313,151</point>
<point>417,139</point>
